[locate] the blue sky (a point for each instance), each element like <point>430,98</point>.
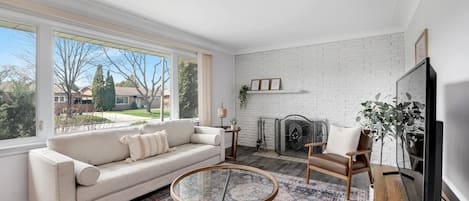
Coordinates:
<point>14,44</point>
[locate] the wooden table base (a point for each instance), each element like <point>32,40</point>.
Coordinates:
<point>234,144</point>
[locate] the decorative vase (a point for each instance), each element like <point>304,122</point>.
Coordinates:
<point>233,127</point>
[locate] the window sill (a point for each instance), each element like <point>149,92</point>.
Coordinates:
<point>22,148</point>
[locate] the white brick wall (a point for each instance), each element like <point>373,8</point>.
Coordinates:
<point>338,77</point>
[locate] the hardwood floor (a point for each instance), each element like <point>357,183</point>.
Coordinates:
<point>246,157</point>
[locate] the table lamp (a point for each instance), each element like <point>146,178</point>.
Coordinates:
<point>222,112</point>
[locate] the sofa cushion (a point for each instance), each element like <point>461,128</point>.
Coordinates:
<point>85,173</point>
<point>179,131</point>
<point>142,146</point>
<point>206,139</point>
<point>94,147</point>
<point>121,175</point>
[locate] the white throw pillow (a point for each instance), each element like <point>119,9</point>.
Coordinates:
<point>205,139</point>
<point>342,140</point>
<point>146,145</point>
<point>85,174</point>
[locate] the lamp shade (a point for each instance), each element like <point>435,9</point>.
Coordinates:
<point>222,112</point>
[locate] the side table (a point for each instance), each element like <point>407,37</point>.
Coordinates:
<point>234,143</point>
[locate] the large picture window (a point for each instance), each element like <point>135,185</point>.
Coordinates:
<point>106,84</point>
<point>17,81</point>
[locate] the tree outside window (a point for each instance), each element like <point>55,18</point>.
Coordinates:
<point>187,83</point>
<point>17,81</point>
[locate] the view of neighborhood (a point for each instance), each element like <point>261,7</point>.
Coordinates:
<point>97,84</point>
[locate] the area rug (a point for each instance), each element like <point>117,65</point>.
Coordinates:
<point>290,189</point>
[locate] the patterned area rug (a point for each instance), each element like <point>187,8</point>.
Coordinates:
<point>290,189</point>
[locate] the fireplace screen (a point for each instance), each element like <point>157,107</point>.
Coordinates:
<point>294,131</point>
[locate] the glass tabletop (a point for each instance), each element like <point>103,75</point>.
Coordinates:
<point>225,183</point>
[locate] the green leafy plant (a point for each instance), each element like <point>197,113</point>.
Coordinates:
<point>243,96</point>
<point>380,118</point>
<point>233,121</point>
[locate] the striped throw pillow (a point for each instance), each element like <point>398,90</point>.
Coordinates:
<point>146,145</point>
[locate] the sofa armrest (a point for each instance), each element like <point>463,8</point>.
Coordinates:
<point>51,176</point>
<point>213,131</point>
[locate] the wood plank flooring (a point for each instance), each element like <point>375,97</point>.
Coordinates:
<point>246,157</point>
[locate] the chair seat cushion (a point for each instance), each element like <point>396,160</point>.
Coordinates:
<point>333,162</point>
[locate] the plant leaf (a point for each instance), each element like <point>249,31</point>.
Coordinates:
<point>408,95</point>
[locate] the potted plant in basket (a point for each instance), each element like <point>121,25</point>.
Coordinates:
<point>380,118</point>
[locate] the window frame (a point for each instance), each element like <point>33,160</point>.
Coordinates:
<point>60,99</point>
<point>123,102</point>
<point>45,29</point>
<point>19,145</point>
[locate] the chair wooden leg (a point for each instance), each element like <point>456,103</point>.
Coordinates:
<point>349,184</point>
<point>349,179</point>
<point>370,176</point>
<point>308,172</point>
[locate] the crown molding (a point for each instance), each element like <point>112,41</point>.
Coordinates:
<point>96,15</point>
<point>315,41</point>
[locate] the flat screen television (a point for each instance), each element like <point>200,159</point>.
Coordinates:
<point>419,136</point>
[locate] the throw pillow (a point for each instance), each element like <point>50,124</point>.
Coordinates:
<point>342,140</point>
<point>146,145</point>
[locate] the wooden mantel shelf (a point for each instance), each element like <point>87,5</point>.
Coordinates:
<point>278,92</point>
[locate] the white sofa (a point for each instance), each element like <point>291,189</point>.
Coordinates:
<point>52,174</point>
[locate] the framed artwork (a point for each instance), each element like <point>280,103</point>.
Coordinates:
<point>421,47</point>
<point>265,84</point>
<point>255,85</point>
<point>275,83</point>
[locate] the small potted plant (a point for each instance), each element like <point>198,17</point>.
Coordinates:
<point>243,96</point>
<point>233,123</point>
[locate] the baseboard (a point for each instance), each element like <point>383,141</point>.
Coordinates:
<point>450,191</point>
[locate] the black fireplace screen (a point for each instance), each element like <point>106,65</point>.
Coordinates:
<point>294,131</point>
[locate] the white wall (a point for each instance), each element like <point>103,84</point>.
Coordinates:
<point>448,28</point>
<point>337,76</point>
<point>14,182</point>
<point>223,89</point>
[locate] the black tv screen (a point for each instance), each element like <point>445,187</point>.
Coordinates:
<point>419,136</point>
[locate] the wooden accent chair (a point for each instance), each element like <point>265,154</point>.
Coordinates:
<point>340,166</point>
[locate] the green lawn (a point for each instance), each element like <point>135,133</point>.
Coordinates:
<point>155,113</point>
<point>80,120</point>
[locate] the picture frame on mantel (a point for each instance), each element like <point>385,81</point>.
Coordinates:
<point>255,85</point>
<point>265,85</point>
<point>421,47</point>
<point>275,83</point>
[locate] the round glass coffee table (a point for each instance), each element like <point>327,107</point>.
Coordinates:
<point>224,182</point>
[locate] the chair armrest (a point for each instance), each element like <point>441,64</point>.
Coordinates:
<point>359,152</point>
<point>316,144</point>
<point>51,176</point>
<point>213,131</point>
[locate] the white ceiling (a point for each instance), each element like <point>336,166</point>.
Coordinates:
<point>255,25</point>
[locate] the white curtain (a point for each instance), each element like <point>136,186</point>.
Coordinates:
<point>204,77</point>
